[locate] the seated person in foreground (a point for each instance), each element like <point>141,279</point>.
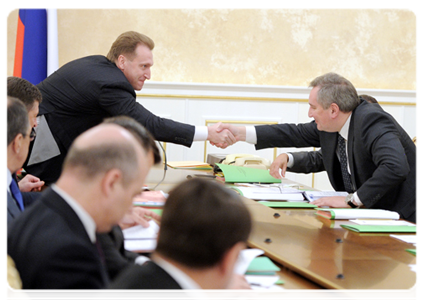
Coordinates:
<point>203,229</point>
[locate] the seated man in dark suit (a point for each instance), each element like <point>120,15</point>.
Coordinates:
<point>53,243</point>
<point>364,150</point>
<point>204,226</point>
<point>18,136</point>
<point>31,97</point>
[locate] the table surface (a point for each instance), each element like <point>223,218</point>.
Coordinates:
<point>314,252</point>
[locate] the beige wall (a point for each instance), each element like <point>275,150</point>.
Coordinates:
<point>372,48</point>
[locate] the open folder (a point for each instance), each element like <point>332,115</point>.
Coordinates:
<point>245,174</point>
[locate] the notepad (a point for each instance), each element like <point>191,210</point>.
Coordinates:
<point>380,228</point>
<point>243,174</point>
<point>314,195</point>
<point>190,165</point>
<point>286,204</point>
<point>360,213</point>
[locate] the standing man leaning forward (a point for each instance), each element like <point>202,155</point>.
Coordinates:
<point>380,155</point>
<point>203,228</point>
<point>53,243</point>
<point>83,92</point>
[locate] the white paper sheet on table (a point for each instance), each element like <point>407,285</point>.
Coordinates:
<point>139,232</point>
<point>245,258</point>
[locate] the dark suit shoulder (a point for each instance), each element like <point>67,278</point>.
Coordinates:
<point>147,276</point>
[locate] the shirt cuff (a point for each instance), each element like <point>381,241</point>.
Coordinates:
<point>290,163</point>
<point>250,134</point>
<point>201,134</point>
<point>357,200</point>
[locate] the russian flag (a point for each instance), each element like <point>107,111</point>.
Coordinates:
<point>36,44</point>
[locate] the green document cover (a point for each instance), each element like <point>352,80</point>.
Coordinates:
<point>381,228</point>
<point>245,174</point>
<point>283,204</point>
<point>412,251</point>
<point>262,264</point>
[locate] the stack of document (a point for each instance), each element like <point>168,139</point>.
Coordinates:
<point>151,199</point>
<point>189,165</point>
<point>141,239</point>
<point>259,271</point>
<point>270,193</point>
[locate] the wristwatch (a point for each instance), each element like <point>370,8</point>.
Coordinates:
<point>349,201</point>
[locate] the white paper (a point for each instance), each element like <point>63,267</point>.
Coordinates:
<point>271,193</point>
<point>314,195</point>
<point>411,239</point>
<point>139,232</point>
<point>271,288</point>
<point>362,213</point>
<point>262,280</point>
<point>383,222</point>
<point>140,245</point>
<point>245,258</point>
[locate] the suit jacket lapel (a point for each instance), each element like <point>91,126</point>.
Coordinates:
<point>350,150</point>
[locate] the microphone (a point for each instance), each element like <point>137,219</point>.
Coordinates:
<point>165,167</point>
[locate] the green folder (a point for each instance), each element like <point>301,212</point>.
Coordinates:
<point>262,264</point>
<point>284,204</point>
<point>246,174</point>
<point>381,228</point>
<point>412,251</point>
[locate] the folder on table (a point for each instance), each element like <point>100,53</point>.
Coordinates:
<point>287,204</point>
<point>380,228</point>
<point>360,213</point>
<point>189,165</point>
<point>245,174</point>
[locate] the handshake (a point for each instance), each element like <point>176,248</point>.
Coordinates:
<point>223,135</point>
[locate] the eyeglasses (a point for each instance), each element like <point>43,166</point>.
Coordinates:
<point>33,134</point>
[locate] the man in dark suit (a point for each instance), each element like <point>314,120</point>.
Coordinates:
<point>53,243</point>
<point>85,91</point>
<point>18,136</point>
<point>376,162</point>
<point>203,228</point>
<point>31,97</point>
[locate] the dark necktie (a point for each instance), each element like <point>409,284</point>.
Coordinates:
<point>16,193</point>
<point>346,177</point>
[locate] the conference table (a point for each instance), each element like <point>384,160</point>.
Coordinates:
<point>314,252</point>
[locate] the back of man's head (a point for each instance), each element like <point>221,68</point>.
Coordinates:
<point>101,149</point>
<point>145,138</point>
<point>126,43</point>
<point>201,221</point>
<point>336,89</point>
<point>17,119</point>
<point>23,90</point>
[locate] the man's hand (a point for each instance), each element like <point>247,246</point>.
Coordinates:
<point>238,133</point>
<point>279,165</point>
<point>220,138</point>
<point>239,287</point>
<point>30,183</point>
<point>138,216</point>
<point>337,201</point>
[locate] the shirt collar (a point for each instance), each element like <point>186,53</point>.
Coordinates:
<point>82,214</point>
<point>180,277</point>
<point>9,179</point>
<point>344,130</point>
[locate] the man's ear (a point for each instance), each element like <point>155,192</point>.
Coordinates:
<point>334,110</point>
<point>110,181</point>
<point>17,143</point>
<point>230,258</point>
<point>120,62</point>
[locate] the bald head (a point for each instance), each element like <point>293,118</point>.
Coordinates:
<point>104,147</point>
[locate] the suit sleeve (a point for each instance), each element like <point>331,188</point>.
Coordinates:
<point>118,100</point>
<point>307,162</point>
<point>287,135</point>
<point>384,148</point>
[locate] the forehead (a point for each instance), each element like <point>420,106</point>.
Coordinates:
<point>143,53</point>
